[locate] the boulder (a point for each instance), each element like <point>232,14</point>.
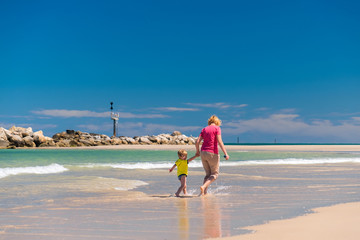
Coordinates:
<point>154,139</point>
<point>63,143</point>
<point>29,141</point>
<point>191,141</point>
<point>175,133</point>
<point>130,140</point>
<point>16,129</point>
<point>49,142</point>
<point>74,143</point>
<point>16,140</point>
<point>27,132</point>
<point>39,138</point>
<point>87,142</point>
<point>56,136</point>
<point>180,137</point>
<point>70,132</point>
<point>106,142</point>
<point>20,137</point>
<point>4,143</point>
<point>163,140</point>
<point>3,134</point>
<point>116,141</point>
<point>104,137</point>
<point>8,134</point>
<point>144,140</point>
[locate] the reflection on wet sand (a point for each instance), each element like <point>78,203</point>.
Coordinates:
<point>212,217</point>
<point>210,213</point>
<point>183,218</point>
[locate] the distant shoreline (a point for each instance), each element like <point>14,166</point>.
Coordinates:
<point>271,144</point>
<point>277,147</point>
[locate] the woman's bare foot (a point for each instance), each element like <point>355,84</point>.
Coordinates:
<point>202,191</point>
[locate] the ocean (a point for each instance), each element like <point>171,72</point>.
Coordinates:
<point>126,194</point>
<point>56,161</point>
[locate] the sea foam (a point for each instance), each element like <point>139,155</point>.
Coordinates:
<point>53,168</point>
<point>294,161</point>
<point>223,163</point>
<point>140,165</point>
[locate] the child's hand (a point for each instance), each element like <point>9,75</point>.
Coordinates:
<point>170,170</point>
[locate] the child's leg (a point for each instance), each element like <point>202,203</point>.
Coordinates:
<point>183,183</point>
<point>182,186</point>
<point>179,191</point>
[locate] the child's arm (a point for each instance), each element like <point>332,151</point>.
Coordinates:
<point>172,168</point>
<point>190,159</point>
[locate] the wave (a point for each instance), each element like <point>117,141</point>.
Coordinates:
<point>295,161</point>
<point>53,168</point>
<point>130,184</point>
<point>197,164</point>
<point>140,165</point>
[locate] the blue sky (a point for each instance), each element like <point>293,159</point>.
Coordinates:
<point>288,70</point>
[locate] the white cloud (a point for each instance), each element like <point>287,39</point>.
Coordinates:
<point>240,106</point>
<point>290,124</point>
<point>34,126</point>
<point>157,128</point>
<point>132,115</point>
<point>174,109</point>
<point>71,113</point>
<point>357,119</point>
<point>85,113</point>
<point>219,105</point>
<point>139,128</point>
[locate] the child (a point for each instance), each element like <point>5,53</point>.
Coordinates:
<point>182,170</point>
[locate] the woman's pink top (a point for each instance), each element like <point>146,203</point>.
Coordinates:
<point>210,143</point>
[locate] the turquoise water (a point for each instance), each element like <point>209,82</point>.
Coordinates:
<point>50,161</point>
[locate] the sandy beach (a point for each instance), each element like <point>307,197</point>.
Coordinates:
<point>125,192</point>
<point>330,223</point>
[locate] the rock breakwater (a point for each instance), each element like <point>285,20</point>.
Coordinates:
<point>25,137</point>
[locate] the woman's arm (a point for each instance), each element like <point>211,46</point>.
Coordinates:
<point>221,144</point>
<point>197,145</point>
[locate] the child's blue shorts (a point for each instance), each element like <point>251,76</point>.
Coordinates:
<point>179,177</point>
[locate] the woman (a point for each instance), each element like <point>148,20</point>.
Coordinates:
<point>209,151</point>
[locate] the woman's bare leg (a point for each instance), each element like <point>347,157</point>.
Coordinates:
<point>204,187</point>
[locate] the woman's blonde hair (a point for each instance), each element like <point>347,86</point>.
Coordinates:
<point>214,119</point>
